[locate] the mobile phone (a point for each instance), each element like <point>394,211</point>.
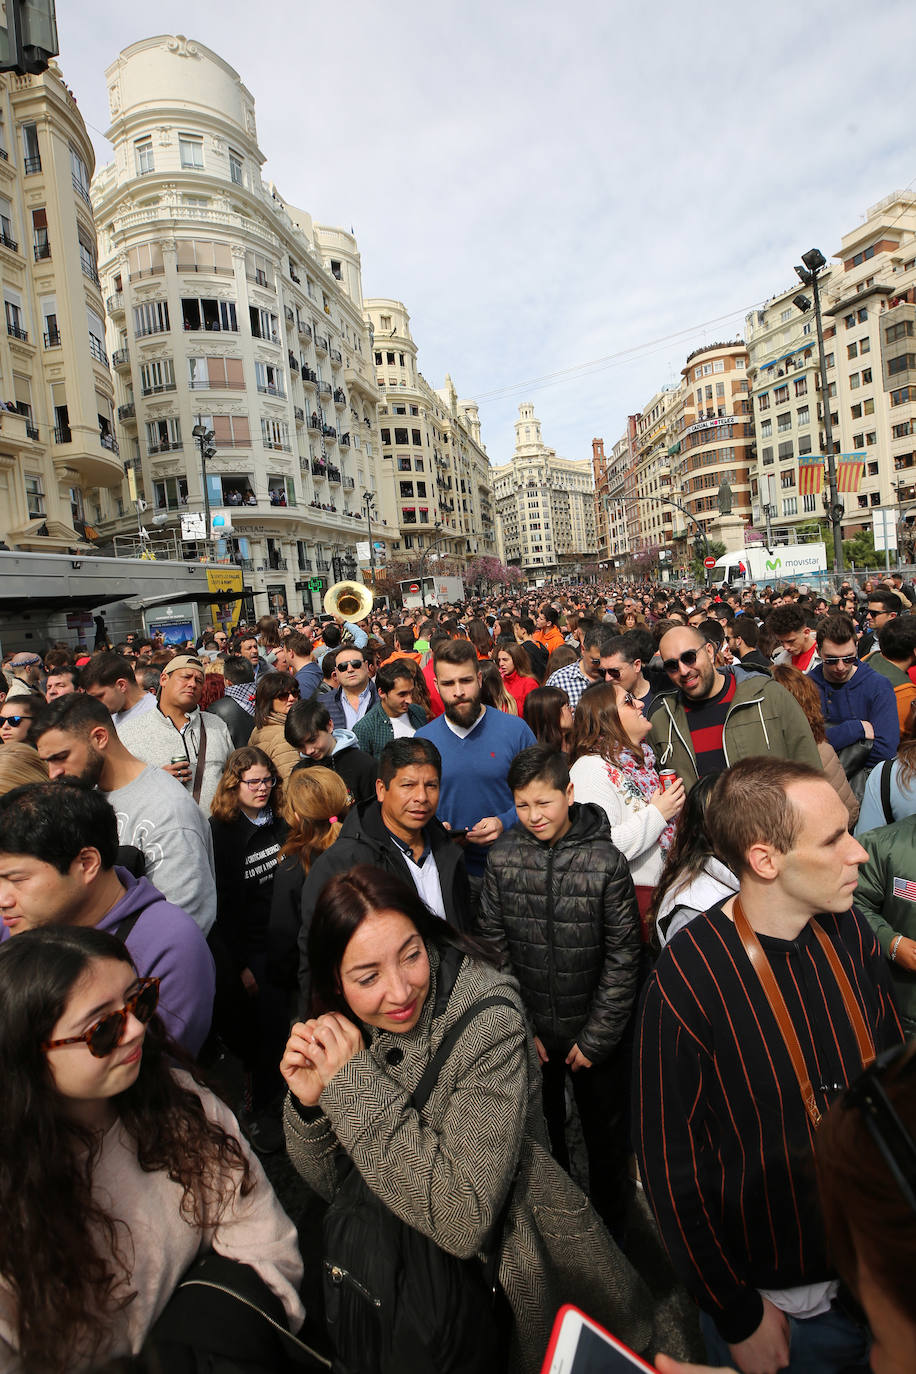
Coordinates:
<point>579,1345</point>
<point>458,834</point>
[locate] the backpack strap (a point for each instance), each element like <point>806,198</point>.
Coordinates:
<point>125,926</point>
<point>201,759</point>
<point>420,1095</point>
<point>886,768</point>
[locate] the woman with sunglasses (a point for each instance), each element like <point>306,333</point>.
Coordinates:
<point>611,764</point>
<point>248,831</point>
<point>132,1169</point>
<point>276,694</point>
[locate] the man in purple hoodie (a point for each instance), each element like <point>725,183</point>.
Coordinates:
<point>58,843</point>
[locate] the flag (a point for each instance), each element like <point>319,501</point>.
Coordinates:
<point>905,888</point>
<point>850,468</point>
<point>810,474</point>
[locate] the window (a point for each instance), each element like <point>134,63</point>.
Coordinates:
<point>767,457</point>
<point>809,503</point>
<point>862,315</point>
<point>6,225</point>
<point>803,415</point>
<point>406,489</point>
<point>801,386</point>
<point>858,441</point>
<point>264,325</point>
<point>31,154</point>
<point>901,396</point>
<point>203,255</point>
<point>853,381</point>
<point>903,363</point>
<point>336,270</point>
<point>79,175</point>
<point>386,438</point>
<point>786,450</point>
<point>400,436</point>
<point>229,431</point>
<point>40,245</point>
<point>270,379</point>
<point>719,365</point>
<point>766,429</point>
<point>864,346</point>
<point>856,411</point>
<point>785,316</point>
<point>868,407</point>
<point>852,350</point>
<point>191,151</point>
<point>274,434</point>
<point>739,364</point>
<point>145,261</point>
<point>707,369</point>
<point>235,167</point>
<point>787,479</point>
<point>904,329</point>
<point>871,438</point>
<point>415,410</point>
<point>784,422</point>
<point>804,443</point>
<point>157,376</point>
<point>206,373</point>
<point>35,496</point>
<point>171,494</point>
<point>15,320</point>
<point>87,253</point>
<point>143,154</point>
<point>763,401</point>
<point>866,376</point>
<point>790,505</point>
<point>162,436</point>
<point>96,337</point>
<point>151,318</point>
<point>781,395</point>
<point>385,323</point>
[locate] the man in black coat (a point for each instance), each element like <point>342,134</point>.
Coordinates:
<point>400,833</point>
<point>236,708</point>
<point>309,730</point>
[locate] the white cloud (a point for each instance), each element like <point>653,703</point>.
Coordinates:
<point>544,184</point>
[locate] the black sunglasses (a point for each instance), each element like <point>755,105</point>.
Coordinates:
<point>612,673</point>
<point>13,720</point>
<point>688,658</point>
<point>106,1034</point>
<point>840,658</point>
<point>349,663</point>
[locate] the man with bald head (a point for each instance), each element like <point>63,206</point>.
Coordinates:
<point>710,717</point>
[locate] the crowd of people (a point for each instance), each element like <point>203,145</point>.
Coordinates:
<point>422,901</point>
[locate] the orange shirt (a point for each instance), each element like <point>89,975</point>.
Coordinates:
<point>550,639</point>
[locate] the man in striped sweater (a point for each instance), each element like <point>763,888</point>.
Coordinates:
<point>721,1129</point>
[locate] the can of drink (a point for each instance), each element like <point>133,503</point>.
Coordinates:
<point>666,778</point>
<point>180,759</point>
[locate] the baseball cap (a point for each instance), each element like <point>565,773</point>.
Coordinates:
<point>182,661</point>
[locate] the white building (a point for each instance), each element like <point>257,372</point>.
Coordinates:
<point>231,310</point>
<point>545,504</point>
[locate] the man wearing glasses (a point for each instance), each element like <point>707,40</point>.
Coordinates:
<point>858,703</point>
<point>596,655</point>
<point>711,717</point>
<point>356,694</point>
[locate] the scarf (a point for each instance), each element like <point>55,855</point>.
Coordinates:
<point>243,694</point>
<point>637,780</point>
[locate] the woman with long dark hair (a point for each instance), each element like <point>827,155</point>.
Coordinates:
<point>515,670</point>
<point>548,713</point>
<point>276,694</point>
<point>389,981</point>
<point>117,1169</point>
<point>693,879</point>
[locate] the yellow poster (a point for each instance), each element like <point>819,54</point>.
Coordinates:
<point>226,580</point>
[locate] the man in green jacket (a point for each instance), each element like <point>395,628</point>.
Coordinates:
<point>886,897</point>
<point>712,717</point>
<point>394,716</point>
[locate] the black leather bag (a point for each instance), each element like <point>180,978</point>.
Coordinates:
<point>853,759</point>
<point>394,1300</point>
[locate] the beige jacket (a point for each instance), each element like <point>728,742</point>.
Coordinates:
<point>833,772</point>
<point>271,739</point>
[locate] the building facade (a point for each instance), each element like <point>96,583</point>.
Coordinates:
<point>656,440</point>
<point>231,314</point>
<point>713,436</point>
<point>434,461</point>
<point>58,450</point>
<point>545,504</point>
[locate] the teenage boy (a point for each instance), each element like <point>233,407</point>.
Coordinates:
<point>310,731</point>
<point>559,904</point>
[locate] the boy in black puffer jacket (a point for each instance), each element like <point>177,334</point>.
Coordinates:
<point>559,904</point>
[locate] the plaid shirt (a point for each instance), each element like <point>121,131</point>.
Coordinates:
<point>572,681</point>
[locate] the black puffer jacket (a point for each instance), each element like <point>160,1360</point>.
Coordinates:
<point>565,920</point>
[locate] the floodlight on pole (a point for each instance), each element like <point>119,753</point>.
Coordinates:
<point>813,261</point>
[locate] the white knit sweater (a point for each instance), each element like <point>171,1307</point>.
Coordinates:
<point>635,825</point>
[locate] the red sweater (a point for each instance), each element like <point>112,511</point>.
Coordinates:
<point>519,687</point>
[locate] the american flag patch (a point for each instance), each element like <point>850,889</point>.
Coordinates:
<point>905,888</point>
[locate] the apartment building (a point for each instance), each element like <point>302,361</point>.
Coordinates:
<point>58,450</point>
<point>231,313</point>
<point>713,435</point>
<point>868,301</point>
<point>656,440</point>
<point>616,501</point>
<point>434,460</point>
<point>601,480</point>
<point>546,504</point>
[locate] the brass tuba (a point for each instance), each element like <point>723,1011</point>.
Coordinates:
<point>351,601</point>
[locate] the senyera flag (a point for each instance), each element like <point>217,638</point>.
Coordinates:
<point>810,474</point>
<point>850,468</point>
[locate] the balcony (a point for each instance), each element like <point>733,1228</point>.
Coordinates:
<point>97,351</point>
<point>269,389</point>
<point>277,564</point>
<point>293,362</point>
<point>294,277</point>
<point>322,565</point>
<point>321,345</point>
<point>90,272</point>
<point>31,431</point>
<point>309,378</point>
<point>340,398</point>
<point>313,424</point>
<point>15,331</point>
<point>289,315</point>
<point>324,388</point>
<point>334,476</point>
<point>166,446</point>
<point>115,303</point>
<point>299,414</point>
<point>330,434</point>
<point>108,441</point>
<point>336,358</point>
<point>305,565</point>
<point>345,439</point>
<point>319,469</point>
<point>8,242</point>
<point>127,412</point>
<point>349,484</point>
<point>63,435</point>
<point>42,251</point>
<point>81,191</point>
<point>31,165</point>
<point>52,338</point>
<point>305,330</point>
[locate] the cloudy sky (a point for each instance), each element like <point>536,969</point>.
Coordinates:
<point>590,189</point>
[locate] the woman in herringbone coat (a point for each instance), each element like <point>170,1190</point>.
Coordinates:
<point>389,981</point>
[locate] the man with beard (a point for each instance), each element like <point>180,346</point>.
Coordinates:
<point>712,717</point>
<point>156,815</point>
<point>477,745</point>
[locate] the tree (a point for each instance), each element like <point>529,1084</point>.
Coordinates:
<point>486,572</point>
<point>697,568</point>
<point>860,550</point>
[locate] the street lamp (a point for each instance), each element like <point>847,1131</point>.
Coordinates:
<point>439,537</point>
<point>368,499</point>
<point>204,439</point>
<point>813,261</point>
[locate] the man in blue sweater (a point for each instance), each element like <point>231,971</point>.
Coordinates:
<point>477,744</point>
<point>858,703</point>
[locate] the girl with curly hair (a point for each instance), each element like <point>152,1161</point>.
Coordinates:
<point>132,1168</point>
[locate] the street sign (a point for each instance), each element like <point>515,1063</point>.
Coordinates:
<point>314,584</point>
<point>884,524</point>
<point>709,562</point>
<point>414,589</point>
